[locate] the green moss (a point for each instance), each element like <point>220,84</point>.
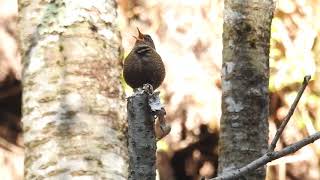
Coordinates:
<point>61,48</point>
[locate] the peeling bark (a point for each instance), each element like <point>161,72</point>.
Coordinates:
<point>73,103</point>
<point>245,76</point>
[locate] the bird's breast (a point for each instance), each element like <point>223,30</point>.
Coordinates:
<point>143,65</point>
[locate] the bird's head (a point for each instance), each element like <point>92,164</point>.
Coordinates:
<point>144,39</point>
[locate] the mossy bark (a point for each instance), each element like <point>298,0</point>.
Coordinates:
<point>245,76</point>
<point>73,103</point>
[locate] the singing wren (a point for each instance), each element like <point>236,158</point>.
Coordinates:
<point>143,65</point>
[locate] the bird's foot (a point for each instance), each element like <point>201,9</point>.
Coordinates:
<point>145,88</point>
<point>148,88</point>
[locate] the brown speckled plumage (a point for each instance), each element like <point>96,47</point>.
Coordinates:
<point>143,65</point>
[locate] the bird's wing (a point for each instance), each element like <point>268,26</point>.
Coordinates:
<point>143,49</point>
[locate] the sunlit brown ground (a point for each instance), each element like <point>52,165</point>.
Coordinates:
<point>188,36</point>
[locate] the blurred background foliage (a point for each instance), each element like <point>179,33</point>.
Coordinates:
<point>188,36</point>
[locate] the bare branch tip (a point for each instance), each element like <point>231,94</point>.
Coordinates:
<point>306,79</point>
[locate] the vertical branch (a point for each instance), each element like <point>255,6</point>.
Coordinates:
<point>245,77</point>
<point>74,124</point>
<point>141,138</point>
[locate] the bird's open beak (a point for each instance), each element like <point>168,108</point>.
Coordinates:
<point>140,34</point>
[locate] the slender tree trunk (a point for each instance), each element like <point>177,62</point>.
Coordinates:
<point>245,76</point>
<point>141,138</point>
<point>73,104</point>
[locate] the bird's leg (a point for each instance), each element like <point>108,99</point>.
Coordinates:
<point>145,88</point>
<point>148,88</point>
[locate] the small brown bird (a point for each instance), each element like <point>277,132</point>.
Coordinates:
<point>143,65</point>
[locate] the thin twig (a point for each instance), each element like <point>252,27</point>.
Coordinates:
<point>263,160</point>
<point>291,110</point>
<point>271,154</point>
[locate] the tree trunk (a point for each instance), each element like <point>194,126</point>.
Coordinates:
<point>245,76</point>
<point>141,138</point>
<point>73,103</point>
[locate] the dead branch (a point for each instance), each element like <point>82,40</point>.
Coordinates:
<point>271,154</point>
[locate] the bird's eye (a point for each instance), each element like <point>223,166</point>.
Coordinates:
<point>148,37</point>
<point>148,40</point>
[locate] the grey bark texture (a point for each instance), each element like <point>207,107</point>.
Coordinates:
<point>73,103</point>
<point>141,137</point>
<point>245,76</point>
